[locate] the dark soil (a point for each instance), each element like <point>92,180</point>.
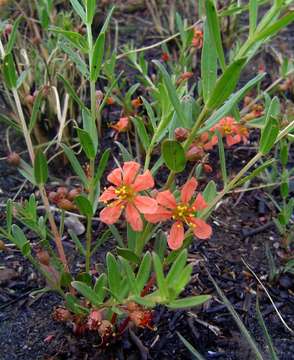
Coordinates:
<point>242,228</point>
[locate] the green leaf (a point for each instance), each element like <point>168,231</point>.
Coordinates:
<point>160,244</point>
<point>208,65</point>
<point>130,276</point>
<point>247,336</point>
<point>40,168</point>
<point>89,125</point>
<point>144,271</point>
<point>76,39</point>
<point>116,235</point>
<point>99,287</point>
<point>222,157</point>
<point>75,165</point>
<point>192,350</point>
<point>79,9</point>
<point>87,292</point>
<point>270,345</point>
<point>19,237</point>
<point>269,135</point>
<point>77,242</point>
<point>9,72</point>
<point>256,171</point>
<point>214,29</point>
<point>253,13</point>
<point>6,120</point>
<point>226,84</point>
<point>173,96</point>
<point>177,267</point>
<point>124,152</point>
<point>276,27</point>
<point>74,306</point>
<point>143,135</point>
<point>183,278</point>
<point>146,302</point>
<point>97,57</point>
<point>230,103</point>
<point>84,205</point>
<point>72,92</point>
<point>91,8</point>
<point>128,255</point>
<point>36,110</point>
<point>9,215</point>
<point>75,58</point>
<point>173,155</point>
<point>160,280</point>
<point>12,36</point>
<point>102,166</point>
<point>188,302</point>
<point>87,144</point>
<point>113,275</point>
<point>107,20</point>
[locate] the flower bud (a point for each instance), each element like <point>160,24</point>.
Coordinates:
<point>181,134</point>
<point>165,57</point>
<point>207,168</point>
<point>105,329</point>
<point>43,257</point>
<point>194,153</point>
<point>66,204</point>
<point>73,194</point>
<point>53,197</point>
<point>94,320</point>
<point>29,99</point>
<point>62,191</point>
<point>8,28</point>
<point>61,314</point>
<point>13,159</point>
<point>110,100</point>
<point>2,246</point>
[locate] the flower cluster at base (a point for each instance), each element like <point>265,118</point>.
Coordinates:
<point>125,197</point>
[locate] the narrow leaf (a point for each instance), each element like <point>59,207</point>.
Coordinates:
<point>40,168</point>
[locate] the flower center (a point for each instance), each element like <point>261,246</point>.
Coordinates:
<point>183,212</point>
<point>227,129</point>
<point>124,192</point>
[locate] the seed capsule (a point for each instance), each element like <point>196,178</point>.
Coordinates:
<point>13,159</point>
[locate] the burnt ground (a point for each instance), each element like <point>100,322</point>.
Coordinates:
<point>242,228</point>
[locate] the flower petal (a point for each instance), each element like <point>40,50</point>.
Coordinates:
<point>115,177</point>
<point>161,214</point>
<point>166,198</point>
<point>232,140</point>
<point>108,194</point>
<point>144,182</point>
<point>176,236</point>
<point>202,230</point>
<point>199,203</point>
<point>133,217</point>
<point>145,204</point>
<point>110,214</point>
<point>188,190</point>
<point>130,170</point>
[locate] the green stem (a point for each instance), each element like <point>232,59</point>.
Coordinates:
<point>141,242</point>
<point>88,243</point>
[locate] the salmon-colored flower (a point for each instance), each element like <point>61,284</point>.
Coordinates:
<point>125,195</point>
<point>207,141</point>
<point>110,100</point>
<point>182,212</point>
<point>122,125</point>
<point>231,130</point>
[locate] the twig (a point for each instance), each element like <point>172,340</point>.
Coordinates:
<point>267,293</point>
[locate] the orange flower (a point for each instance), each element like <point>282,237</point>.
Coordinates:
<point>136,103</point>
<point>230,129</point>
<point>110,101</point>
<point>207,141</point>
<point>197,41</point>
<point>165,57</point>
<point>182,212</point>
<point>125,196</point>
<point>122,125</point>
